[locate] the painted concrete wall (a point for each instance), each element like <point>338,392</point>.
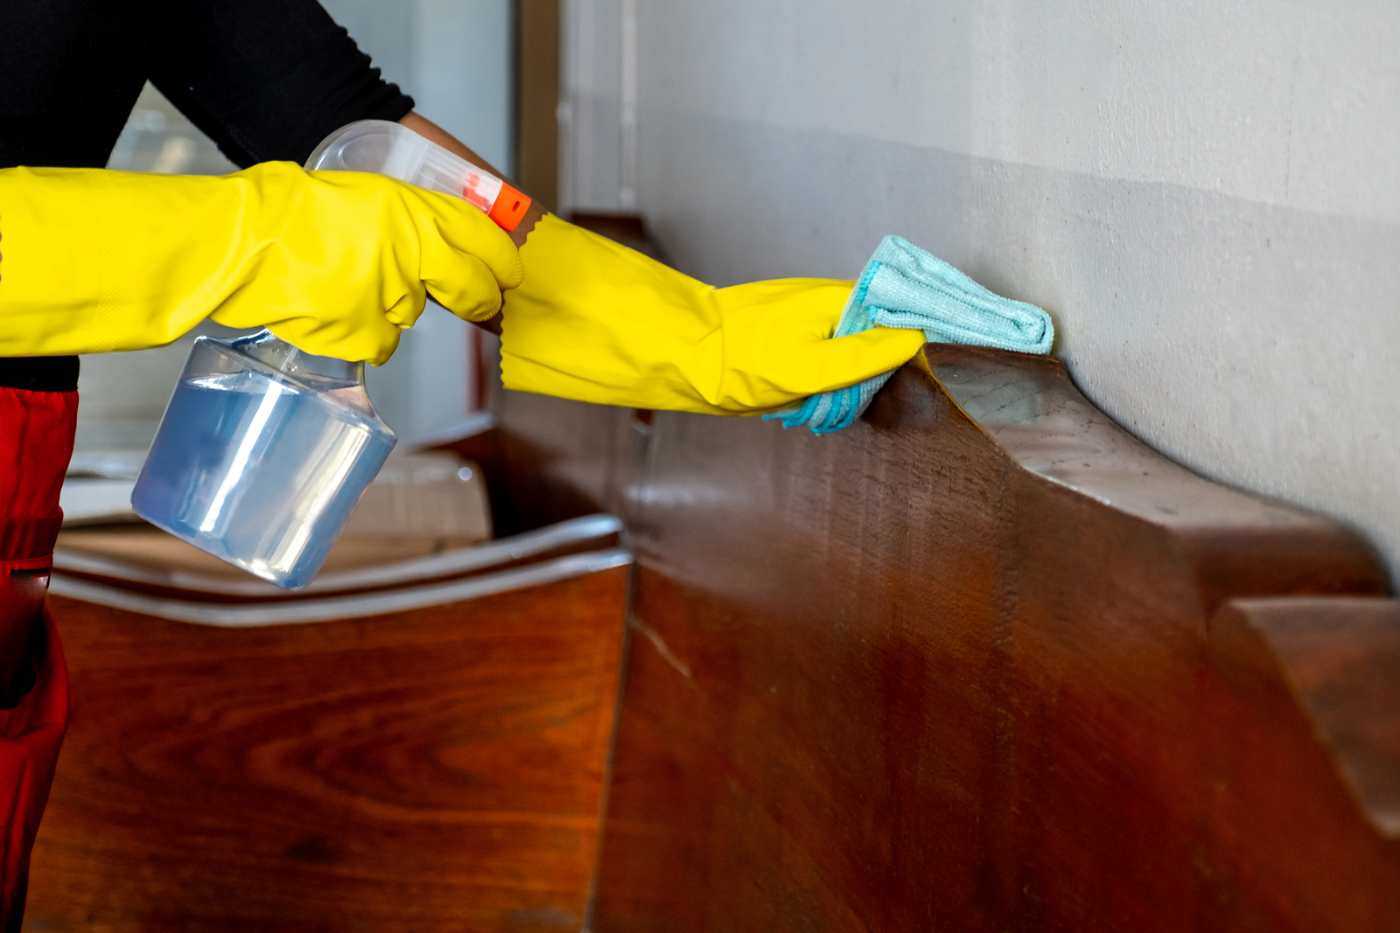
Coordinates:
<point>1206,195</point>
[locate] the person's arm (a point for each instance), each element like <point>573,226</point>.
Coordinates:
<point>427,128</point>
<point>336,263</point>
<point>266,80</point>
<point>598,322</point>
<point>269,79</point>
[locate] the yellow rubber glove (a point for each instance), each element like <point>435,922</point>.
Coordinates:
<point>336,263</point>
<point>598,322</point>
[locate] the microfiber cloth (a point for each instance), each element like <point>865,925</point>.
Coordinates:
<point>905,286</point>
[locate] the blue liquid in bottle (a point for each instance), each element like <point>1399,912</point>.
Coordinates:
<point>264,450</point>
<point>260,469</point>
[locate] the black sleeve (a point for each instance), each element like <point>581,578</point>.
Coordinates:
<point>265,79</point>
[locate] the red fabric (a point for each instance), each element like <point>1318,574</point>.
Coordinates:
<point>36,442</point>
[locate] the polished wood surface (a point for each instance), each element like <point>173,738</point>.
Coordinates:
<point>151,549</point>
<point>985,662</point>
<point>566,458</point>
<point>1340,658</point>
<point>548,460</point>
<point>434,770</point>
<point>102,557</point>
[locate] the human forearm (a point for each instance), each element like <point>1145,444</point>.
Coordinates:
<point>436,134</point>
<point>336,263</point>
<point>430,130</point>
<point>597,322</point>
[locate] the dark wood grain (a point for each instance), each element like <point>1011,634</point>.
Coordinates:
<point>435,770</point>
<point>1338,662</point>
<point>561,460</point>
<point>982,663</point>
<point>537,83</point>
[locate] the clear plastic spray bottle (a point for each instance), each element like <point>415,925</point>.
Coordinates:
<point>264,450</point>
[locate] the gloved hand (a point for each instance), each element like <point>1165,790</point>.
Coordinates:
<point>598,322</point>
<point>336,263</point>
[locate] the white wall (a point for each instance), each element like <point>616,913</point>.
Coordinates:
<point>1206,195</point>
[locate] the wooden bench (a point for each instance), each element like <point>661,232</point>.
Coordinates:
<point>982,662</point>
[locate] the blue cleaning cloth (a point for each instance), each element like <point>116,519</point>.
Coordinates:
<point>905,286</point>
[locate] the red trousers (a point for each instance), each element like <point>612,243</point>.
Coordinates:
<point>36,442</point>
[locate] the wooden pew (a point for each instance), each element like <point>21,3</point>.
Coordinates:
<point>986,662</point>
<point>982,662</point>
<point>417,746</point>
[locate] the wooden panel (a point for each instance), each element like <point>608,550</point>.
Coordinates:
<point>435,770</point>
<point>550,460</point>
<point>537,25</point>
<point>1341,659</point>
<point>563,459</point>
<point>110,566</point>
<point>960,668</point>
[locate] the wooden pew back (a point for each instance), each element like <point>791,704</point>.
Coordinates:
<point>986,662</point>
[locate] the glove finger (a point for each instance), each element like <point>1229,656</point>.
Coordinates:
<point>785,372</point>
<point>371,342</point>
<point>403,312</point>
<point>472,291</point>
<point>842,361</point>
<point>388,345</point>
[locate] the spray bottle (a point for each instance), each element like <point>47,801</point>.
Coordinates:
<point>264,450</point>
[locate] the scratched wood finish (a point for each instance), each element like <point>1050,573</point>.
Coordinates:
<point>435,770</point>
<point>985,662</point>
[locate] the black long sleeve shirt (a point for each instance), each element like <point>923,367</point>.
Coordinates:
<point>264,79</point>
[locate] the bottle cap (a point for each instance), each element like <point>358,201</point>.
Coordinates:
<point>510,207</point>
